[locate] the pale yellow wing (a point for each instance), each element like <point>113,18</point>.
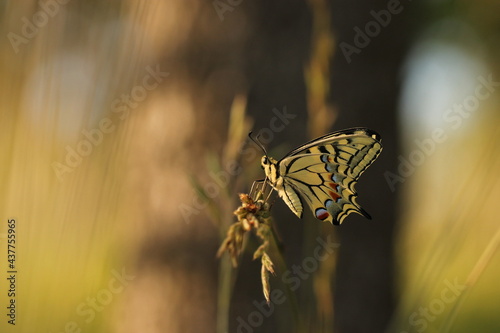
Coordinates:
<point>324,172</point>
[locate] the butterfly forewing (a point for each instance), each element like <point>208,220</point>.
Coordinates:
<point>324,172</point>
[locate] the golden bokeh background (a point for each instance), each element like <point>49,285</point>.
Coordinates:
<point>114,114</point>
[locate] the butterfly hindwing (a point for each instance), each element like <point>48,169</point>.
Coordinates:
<point>292,199</point>
<point>324,172</point>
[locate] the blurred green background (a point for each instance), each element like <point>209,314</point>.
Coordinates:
<point>117,115</point>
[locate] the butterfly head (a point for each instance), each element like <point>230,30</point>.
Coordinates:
<point>269,165</point>
<point>267,161</point>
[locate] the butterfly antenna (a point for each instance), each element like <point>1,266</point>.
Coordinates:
<point>256,140</point>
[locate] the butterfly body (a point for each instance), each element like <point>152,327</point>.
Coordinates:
<point>323,173</point>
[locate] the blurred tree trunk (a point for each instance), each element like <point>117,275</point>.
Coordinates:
<point>365,85</point>
<point>261,48</point>
<point>256,49</point>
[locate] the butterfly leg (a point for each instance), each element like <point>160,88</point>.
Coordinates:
<point>254,190</point>
<point>269,195</point>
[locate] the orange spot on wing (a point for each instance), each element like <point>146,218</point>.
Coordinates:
<point>335,186</point>
<point>334,195</point>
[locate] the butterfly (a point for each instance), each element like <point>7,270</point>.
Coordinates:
<point>323,173</point>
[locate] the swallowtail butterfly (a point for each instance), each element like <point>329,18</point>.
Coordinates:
<point>323,173</point>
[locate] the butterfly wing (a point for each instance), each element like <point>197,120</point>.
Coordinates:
<point>324,172</point>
